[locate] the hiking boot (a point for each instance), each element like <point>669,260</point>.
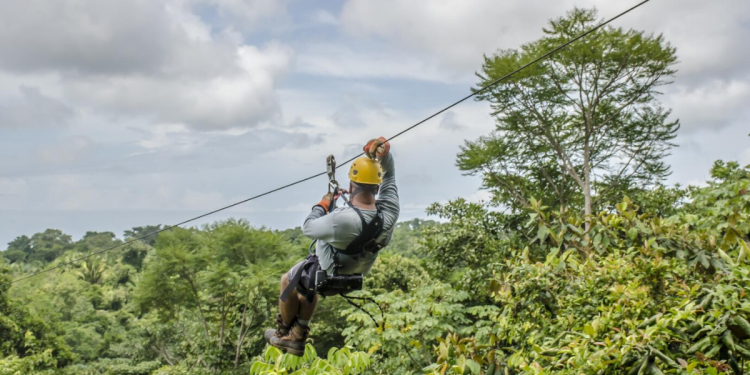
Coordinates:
<point>279,332</point>
<point>294,341</point>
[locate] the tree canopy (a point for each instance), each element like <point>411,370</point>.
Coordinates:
<point>581,127</point>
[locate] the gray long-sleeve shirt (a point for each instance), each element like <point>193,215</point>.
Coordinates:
<point>339,228</point>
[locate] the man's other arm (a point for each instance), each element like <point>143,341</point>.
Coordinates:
<point>388,199</point>
<point>318,225</point>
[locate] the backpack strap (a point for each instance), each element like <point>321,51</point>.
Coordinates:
<point>311,262</point>
<point>365,242</point>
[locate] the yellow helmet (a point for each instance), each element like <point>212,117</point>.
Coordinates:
<point>366,171</point>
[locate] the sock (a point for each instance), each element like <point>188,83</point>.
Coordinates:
<point>303,323</point>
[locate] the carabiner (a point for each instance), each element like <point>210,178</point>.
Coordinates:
<point>333,185</point>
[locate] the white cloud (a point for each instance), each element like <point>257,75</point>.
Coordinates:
<point>339,61</point>
<point>85,36</point>
<point>12,192</point>
<point>414,208</point>
<point>251,15</point>
<point>299,207</point>
<point>454,31</point>
<point>172,136</point>
<point>357,111</point>
<point>190,23</point>
<point>479,196</point>
<point>12,186</point>
<point>452,35</point>
<point>710,37</point>
<point>745,157</point>
<point>711,105</point>
<point>459,32</point>
<point>66,151</point>
<point>157,61</point>
<point>76,192</point>
<point>196,200</point>
<point>33,109</point>
<point>324,17</point>
<point>450,122</point>
<point>243,96</point>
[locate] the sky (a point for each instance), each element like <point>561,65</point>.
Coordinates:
<point>139,112</point>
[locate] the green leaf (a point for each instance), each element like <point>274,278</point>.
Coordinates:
<point>542,233</point>
<point>632,234</point>
<point>725,257</point>
<point>473,366</point>
<point>589,330</point>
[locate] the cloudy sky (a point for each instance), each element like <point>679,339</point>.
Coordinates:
<point>124,113</point>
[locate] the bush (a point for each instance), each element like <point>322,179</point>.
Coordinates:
<point>638,293</point>
<point>338,362</point>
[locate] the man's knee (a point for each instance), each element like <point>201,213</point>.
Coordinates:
<point>284,280</point>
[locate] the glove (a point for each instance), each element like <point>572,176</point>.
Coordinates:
<point>377,147</point>
<point>325,203</point>
<point>339,193</point>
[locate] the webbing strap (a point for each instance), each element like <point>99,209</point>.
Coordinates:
<point>370,231</point>
<point>296,278</point>
<point>361,217</point>
<point>311,287</point>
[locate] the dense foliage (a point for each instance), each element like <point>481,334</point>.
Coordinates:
<point>641,290</point>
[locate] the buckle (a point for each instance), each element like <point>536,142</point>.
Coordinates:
<point>371,246</point>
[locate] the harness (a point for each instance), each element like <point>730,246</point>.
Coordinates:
<point>365,242</point>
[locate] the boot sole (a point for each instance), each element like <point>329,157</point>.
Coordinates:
<point>292,351</point>
<point>298,353</point>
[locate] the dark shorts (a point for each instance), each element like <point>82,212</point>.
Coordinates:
<point>303,281</point>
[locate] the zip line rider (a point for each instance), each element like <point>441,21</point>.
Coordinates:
<point>347,243</point>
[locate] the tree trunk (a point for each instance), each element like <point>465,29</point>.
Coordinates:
<point>587,193</point>
<point>587,189</point>
<point>200,308</point>
<point>223,321</point>
<point>240,338</point>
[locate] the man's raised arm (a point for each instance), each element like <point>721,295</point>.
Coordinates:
<point>388,202</point>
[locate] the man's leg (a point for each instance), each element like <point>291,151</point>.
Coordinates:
<point>291,307</point>
<point>287,313</point>
<point>295,314</point>
<point>306,309</point>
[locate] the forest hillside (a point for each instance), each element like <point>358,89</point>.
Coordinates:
<point>660,283</point>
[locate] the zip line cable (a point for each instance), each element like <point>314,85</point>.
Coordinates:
<point>485,88</point>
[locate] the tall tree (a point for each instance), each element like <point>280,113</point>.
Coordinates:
<point>18,249</point>
<point>147,232</point>
<point>220,278</point>
<point>49,245</point>
<point>580,125</point>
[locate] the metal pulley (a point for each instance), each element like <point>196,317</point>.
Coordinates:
<point>333,185</point>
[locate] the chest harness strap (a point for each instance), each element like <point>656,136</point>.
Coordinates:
<point>365,242</point>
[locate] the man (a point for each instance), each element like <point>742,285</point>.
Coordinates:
<point>348,241</point>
